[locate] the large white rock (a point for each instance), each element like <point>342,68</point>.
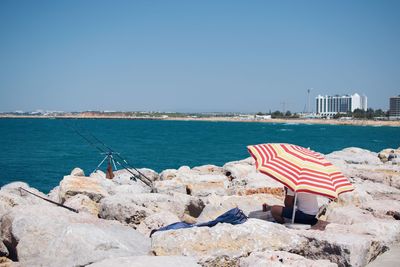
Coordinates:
<point>208,169</point>
<point>54,194</point>
<point>385,232</point>
<point>156,221</point>
<point>354,155</point>
<point>123,176</point>
<point>73,185</point>
<point>364,164</point>
<point>343,248</point>
<point>347,214</point>
<point>133,209</point>
<point>147,261</point>
<point>281,258</point>
<point>135,188</point>
<point>124,210</point>
<point>389,154</point>
<point>170,186</point>
<point>168,174</point>
<point>245,180</point>
<point>77,172</point>
<point>205,185</point>
<point>57,237</point>
<point>11,195</point>
<point>225,239</point>
<point>83,203</point>
<point>240,169</point>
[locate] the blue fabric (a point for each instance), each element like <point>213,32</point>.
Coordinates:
<point>233,216</point>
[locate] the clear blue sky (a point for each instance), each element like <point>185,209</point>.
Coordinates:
<point>245,56</point>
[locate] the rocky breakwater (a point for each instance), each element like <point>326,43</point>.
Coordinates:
<point>116,217</point>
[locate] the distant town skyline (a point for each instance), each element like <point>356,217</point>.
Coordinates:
<point>184,56</point>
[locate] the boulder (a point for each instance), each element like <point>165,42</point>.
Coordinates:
<point>11,196</point>
<point>343,248</point>
<point>155,221</point>
<point>256,183</point>
<point>54,194</point>
<point>353,155</point>
<point>135,188</point>
<point>246,180</point>
<point>73,185</point>
<point>149,261</point>
<point>206,185</point>
<point>77,172</point>
<point>193,205</point>
<point>281,258</point>
<point>99,174</point>
<point>133,209</point>
<point>385,232</point>
<point>240,169</point>
<point>58,237</point>
<point>123,210</point>
<point>225,240</point>
<point>356,198</point>
<point>389,154</point>
<point>377,190</point>
<point>208,169</point>
<point>347,214</point>
<point>168,174</point>
<point>170,186</point>
<point>83,203</point>
<point>382,208</point>
<point>366,165</point>
<point>124,175</point>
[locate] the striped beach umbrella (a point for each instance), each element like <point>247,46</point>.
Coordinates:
<point>300,169</point>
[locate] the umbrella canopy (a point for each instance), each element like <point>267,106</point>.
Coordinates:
<point>300,169</point>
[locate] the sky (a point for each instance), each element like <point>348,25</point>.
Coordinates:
<point>196,56</point>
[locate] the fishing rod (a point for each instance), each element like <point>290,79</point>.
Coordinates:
<point>48,200</point>
<point>148,181</point>
<point>110,154</point>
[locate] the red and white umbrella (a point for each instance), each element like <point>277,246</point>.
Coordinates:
<point>300,169</point>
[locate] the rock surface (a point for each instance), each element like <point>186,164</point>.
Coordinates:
<point>225,239</point>
<point>73,185</point>
<point>358,227</point>
<point>57,237</point>
<point>281,258</point>
<point>148,261</point>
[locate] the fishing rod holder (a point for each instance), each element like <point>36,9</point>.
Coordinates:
<point>109,156</point>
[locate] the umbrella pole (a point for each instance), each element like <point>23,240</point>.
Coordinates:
<point>294,207</point>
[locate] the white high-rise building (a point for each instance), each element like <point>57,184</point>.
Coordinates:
<point>330,105</point>
<point>394,110</point>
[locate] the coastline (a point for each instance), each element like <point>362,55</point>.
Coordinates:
<point>376,123</point>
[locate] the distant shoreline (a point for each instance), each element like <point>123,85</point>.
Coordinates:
<point>395,123</point>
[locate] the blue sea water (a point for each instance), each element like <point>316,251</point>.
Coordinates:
<point>41,151</point>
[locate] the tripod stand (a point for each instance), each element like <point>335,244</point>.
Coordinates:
<point>111,161</point>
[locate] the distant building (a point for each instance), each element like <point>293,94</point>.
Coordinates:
<point>330,105</point>
<point>263,117</point>
<point>394,107</point>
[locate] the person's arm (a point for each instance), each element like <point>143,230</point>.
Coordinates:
<point>289,198</point>
<point>289,201</point>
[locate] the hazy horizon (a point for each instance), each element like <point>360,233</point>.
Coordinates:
<point>209,56</point>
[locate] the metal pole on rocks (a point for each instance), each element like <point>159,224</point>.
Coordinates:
<point>294,207</point>
<point>48,200</point>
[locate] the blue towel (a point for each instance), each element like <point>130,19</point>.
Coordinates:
<point>233,216</point>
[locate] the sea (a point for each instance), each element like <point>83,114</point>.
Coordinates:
<point>41,151</point>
